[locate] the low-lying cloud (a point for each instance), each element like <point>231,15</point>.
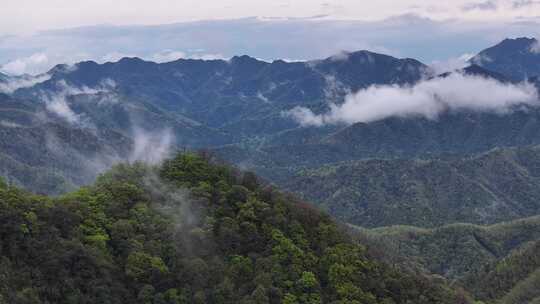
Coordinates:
<point>12,84</point>
<point>451,64</point>
<point>57,102</point>
<point>535,47</point>
<point>151,147</point>
<point>33,64</point>
<point>428,98</point>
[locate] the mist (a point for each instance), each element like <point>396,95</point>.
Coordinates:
<point>151,147</point>
<point>12,84</point>
<point>57,101</point>
<point>429,98</point>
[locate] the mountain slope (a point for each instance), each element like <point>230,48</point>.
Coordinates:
<point>188,232</point>
<point>514,279</point>
<point>191,103</point>
<point>518,58</point>
<point>242,90</point>
<point>467,252</point>
<point>487,188</point>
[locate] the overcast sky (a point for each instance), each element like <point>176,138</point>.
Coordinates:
<point>30,15</point>
<point>36,34</point>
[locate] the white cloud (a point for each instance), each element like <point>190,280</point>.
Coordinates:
<point>57,102</point>
<point>208,57</point>
<point>480,59</point>
<point>488,5</point>
<point>33,64</point>
<point>427,99</point>
<point>167,56</point>
<point>114,57</point>
<point>451,64</point>
<point>341,56</point>
<point>535,47</point>
<point>151,147</point>
<point>14,83</point>
<point>59,105</point>
<point>403,36</point>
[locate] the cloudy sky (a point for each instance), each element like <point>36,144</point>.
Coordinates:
<point>36,34</point>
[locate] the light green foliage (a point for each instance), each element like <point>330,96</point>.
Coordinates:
<point>190,231</point>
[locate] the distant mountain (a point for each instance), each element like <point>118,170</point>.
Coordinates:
<point>49,155</point>
<point>203,103</point>
<point>477,70</point>
<point>518,59</point>
<point>236,108</point>
<point>243,95</point>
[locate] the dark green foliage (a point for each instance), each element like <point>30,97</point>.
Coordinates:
<point>487,188</point>
<point>514,279</point>
<point>455,251</point>
<point>189,231</point>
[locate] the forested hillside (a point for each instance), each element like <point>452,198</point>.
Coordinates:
<point>486,188</point>
<point>455,251</point>
<point>497,264</point>
<point>189,231</point>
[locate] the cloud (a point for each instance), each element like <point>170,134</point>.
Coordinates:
<point>151,147</point>
<point>14,83</point>
<point>114,57</point>
<point>427,99</point>
<point>451,64</point>
<point>480,59</point>
<point>57,101</point>
<point>33,64</point>
<point>167,56</point>
<point>404,36</point>
<point>482,6</point>
<point>535,47</point>
<point>517,4</point>
<point>341,56</point>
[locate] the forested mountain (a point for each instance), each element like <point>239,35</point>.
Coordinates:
<point>200,104</point>
<point>243,95</point>
<point>497,264</point>
<point>497,186</point>
<point>514,279</point>
<point>188,231</point>
<point>236,108</point>
<point>516,58</point>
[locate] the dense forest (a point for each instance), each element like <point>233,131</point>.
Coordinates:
<point>496,264</point>
<point>485,188</point>
<point>189,231</point>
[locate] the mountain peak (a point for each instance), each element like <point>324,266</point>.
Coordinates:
<point>522,44</point>
<point>517,58</point>
<point>245,59</point>
<point>131,60</point>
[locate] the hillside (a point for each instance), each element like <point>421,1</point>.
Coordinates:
<point>514,279</point>
<point>486,188</point>
<point>515,58</point>
<point>497,263</point>
<point>189,231</point>
<point>455,251</point>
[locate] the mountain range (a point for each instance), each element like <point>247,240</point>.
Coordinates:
<point>446,187</point>
<point>237,107</point>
